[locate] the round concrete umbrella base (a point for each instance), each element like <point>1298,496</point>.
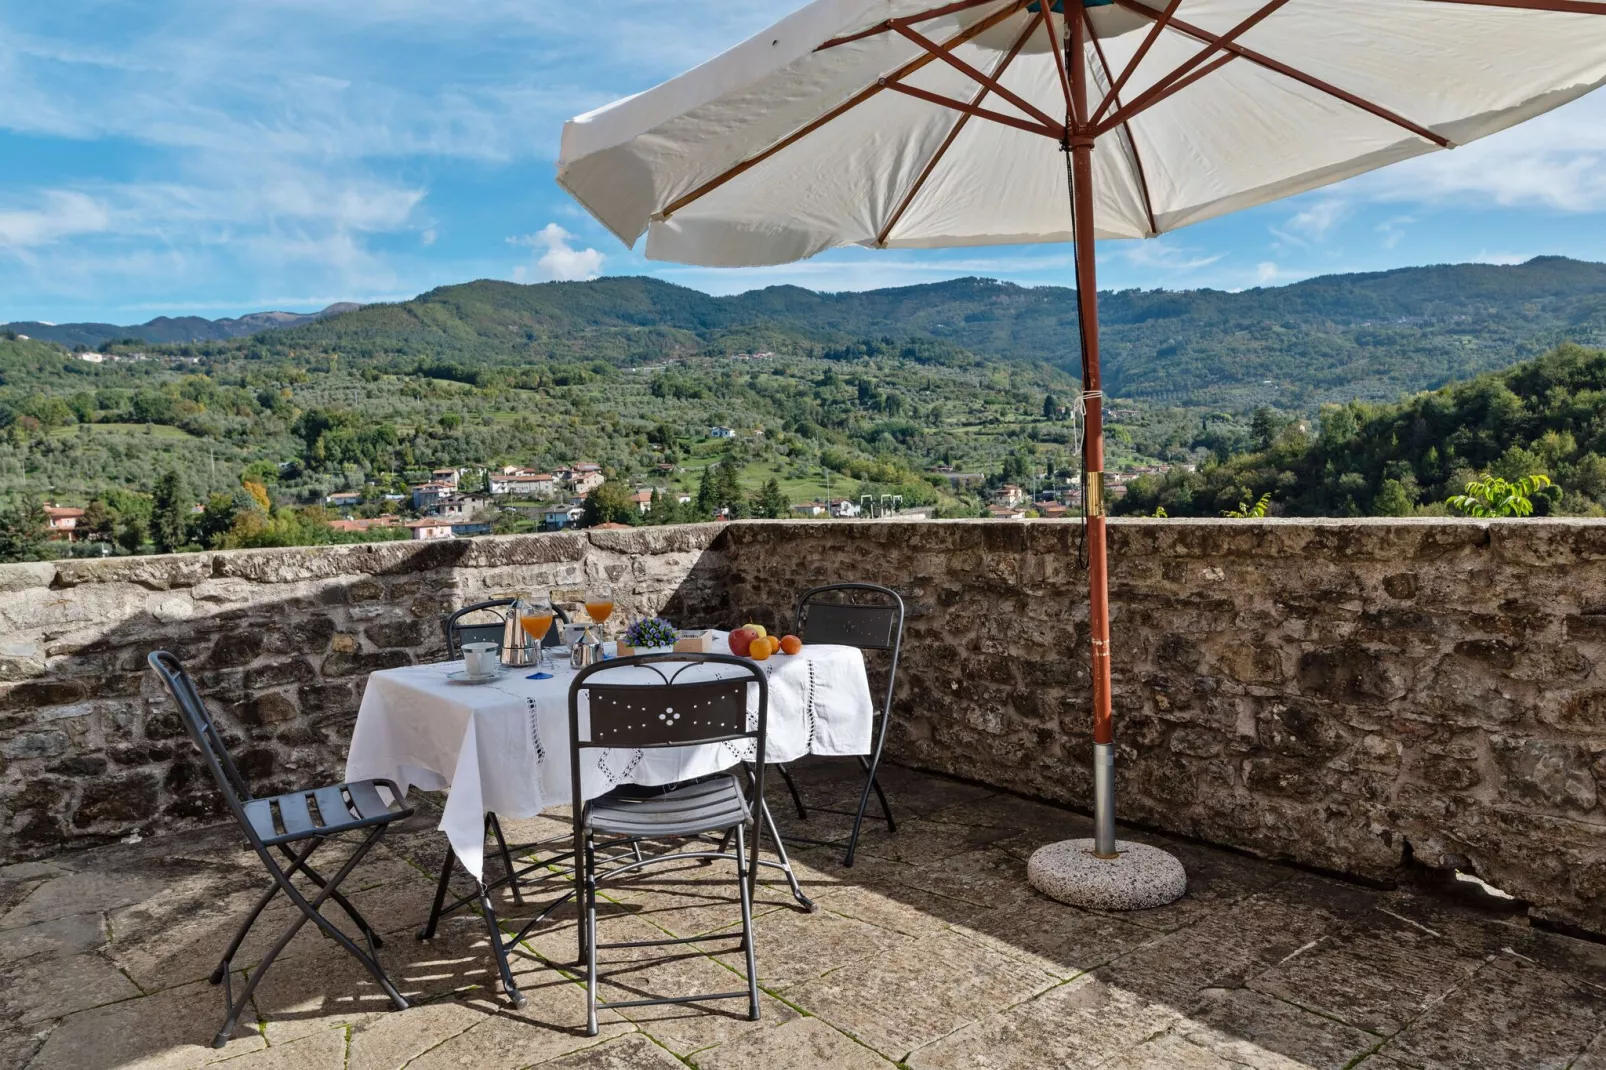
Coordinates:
<point>1139,877</point>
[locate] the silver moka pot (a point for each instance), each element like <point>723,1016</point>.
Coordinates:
<point>516,646</point>
<point>585,651</point>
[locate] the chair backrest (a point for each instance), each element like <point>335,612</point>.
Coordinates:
<point>203,731</point>
<point>458,631</point>
<point>665,710</point>
<point>864,615</point>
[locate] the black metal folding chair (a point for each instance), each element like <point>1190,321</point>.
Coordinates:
<point>870,617</point>
<point>310,818</point>
<point>632,715</point>
<point>468,625</point>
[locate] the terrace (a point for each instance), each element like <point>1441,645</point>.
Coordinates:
<point>1351,712</point>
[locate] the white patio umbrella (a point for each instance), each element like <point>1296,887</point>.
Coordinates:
<point>909,124</point>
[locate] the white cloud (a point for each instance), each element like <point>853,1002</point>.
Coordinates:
<point>559,261</point>
<point>1312,225</point>
<point>58,214</point>
<point>1556,161</point>
<point>1393,230</point>
<point>1266,273</point>
<point>1165,255</point>
<point>1484,256</point>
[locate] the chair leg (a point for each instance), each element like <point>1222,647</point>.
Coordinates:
<point>744,886</point>
<point>495,828</point>
<point>440,895</point>
<point>240,933</point>
<point>374,942</point>
<point>310,912</point>
<point>786,863</point>
<point>791,785</point>
<point>871,769</point>
<point>591,937</point>
<point>499,948</point>
<point>864,801</point>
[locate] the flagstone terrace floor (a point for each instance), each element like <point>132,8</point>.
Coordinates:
<point>931,952</point>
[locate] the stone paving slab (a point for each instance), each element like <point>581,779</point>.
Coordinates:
<point>931,952</point>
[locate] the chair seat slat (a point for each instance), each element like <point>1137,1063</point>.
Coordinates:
<point>369,804</point>
<point>332,806</point>
<point>295,815</point>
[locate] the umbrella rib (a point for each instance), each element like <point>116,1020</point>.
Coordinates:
<point>945,54</point>
<point>1059,60</point>
<point>1571,7</point>
<point>1030,126</point>
<point>924,16</point>
<point>1297,75</point>
<point>1181,77</point>
<point>1137,57</point>
<point>1131,140</point>
<point>980,27</point>
<point>964,117</point>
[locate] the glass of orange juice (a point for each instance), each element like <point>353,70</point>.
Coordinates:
<point>535,618</point>
<point>599,604</point>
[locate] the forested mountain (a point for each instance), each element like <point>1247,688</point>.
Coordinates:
<point>1545,416</point>
<point>1335,338</point>
<point>169,328</point>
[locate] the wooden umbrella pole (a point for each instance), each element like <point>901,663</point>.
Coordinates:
<point>1080,143</point>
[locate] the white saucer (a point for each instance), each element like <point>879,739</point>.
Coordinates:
<point>461,676</point>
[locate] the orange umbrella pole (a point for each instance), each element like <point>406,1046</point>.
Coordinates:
<point>1080,145</point>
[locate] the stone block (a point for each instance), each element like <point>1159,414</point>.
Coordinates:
<point>1553,774</point>
<point>122,801</point>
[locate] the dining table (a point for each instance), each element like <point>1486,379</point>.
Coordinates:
<point>501,745</point>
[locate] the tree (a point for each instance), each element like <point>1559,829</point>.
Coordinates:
<point>1392,499</point>
<point>610,503</point>
<point>216,520</point>
<point>1051,407</point>
<point>1494,497</point>
<point>170,512</point>
<point>771,502</point>
<point>24,531</point>
<point>1245,511</point>
<point>1264,427</point>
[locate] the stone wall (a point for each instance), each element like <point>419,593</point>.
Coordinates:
<point>1357,696</point>
<point>279,641</point>
<point>1349,695</point>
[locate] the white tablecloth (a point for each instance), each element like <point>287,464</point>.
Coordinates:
<point>504,746</point>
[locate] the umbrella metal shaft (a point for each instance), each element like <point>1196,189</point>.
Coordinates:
<point>1098,569</point>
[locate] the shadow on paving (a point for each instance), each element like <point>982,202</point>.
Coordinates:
<point>931,951</point>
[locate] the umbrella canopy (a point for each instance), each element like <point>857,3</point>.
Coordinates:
<point>910,124</point>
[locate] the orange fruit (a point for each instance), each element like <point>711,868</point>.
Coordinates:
<point>759,651</point>
<point>791,644</point>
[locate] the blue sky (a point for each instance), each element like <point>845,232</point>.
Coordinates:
<point>190,156</point>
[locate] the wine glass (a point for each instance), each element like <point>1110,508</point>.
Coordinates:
<point>599,604</point>
<point>535,618</point>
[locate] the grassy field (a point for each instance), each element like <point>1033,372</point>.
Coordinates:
<point>153,431</point>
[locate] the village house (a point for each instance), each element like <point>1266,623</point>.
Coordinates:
<point>721,432</point>
<point>427,494</point>
<point>344,499</point>
<point>63,521</point>
<point>643,500</point>
<point>521,483</point>
<point>558,517</point>
<point>447,476</point>
<point>585,478</point>
<point>843,509</point>
<point>430,528</point>
<point>810,508</point>
<point>1009,494</point>
<point>1006,512</point>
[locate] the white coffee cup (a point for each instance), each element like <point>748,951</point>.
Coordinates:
<point>479,660</point>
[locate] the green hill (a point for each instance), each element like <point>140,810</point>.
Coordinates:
<point>1546,415</point>
<point>1327,339</point>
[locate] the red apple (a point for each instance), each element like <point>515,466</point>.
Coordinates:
<point>742,641</point>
